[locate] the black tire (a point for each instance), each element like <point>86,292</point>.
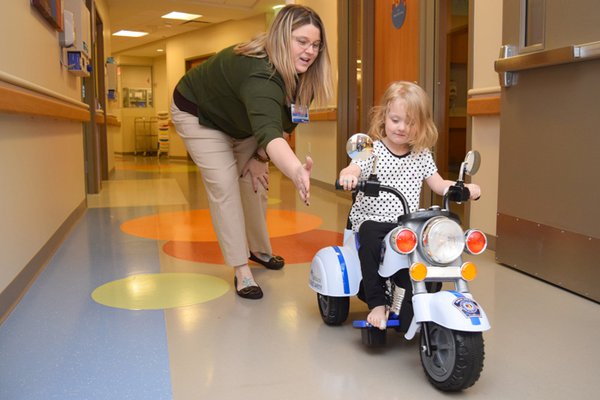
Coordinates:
<point>456,359</point>
<point>334,310</point>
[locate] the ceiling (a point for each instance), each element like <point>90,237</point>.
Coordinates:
<point>145,15</point>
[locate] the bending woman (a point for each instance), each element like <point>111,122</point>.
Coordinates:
<point>233,113</point>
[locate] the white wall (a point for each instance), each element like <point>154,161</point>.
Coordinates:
<point>487,38</point>
<point>29,50</point>
<point>42,183</point>
<point>319,139</point>
<point>41,159</point>
<point>202,42</point>
<point>125,136</point>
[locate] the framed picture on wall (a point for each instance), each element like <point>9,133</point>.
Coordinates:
<point>51,10</point>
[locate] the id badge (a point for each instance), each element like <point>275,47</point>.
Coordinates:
<point>299,114</point>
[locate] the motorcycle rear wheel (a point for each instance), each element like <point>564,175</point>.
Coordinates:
<point>456,359</point>
<point>334,310</point>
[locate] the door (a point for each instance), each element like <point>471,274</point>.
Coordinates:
<point>379,43</point>
<point>548,216</point>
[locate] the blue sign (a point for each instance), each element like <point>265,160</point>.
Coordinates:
<point>398,13</point>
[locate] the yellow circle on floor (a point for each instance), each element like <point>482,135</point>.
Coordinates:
<point>160,291</point>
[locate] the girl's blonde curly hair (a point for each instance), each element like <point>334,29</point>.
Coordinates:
<point>418,112</point>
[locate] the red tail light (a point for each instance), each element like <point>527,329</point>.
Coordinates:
<point>404,240</point>
<point>475,241</point>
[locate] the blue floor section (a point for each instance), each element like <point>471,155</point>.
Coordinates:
<point>60,344</point>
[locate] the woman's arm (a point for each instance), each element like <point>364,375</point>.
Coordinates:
<point>283,157</point>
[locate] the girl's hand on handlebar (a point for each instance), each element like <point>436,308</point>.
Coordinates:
<point>347,181</point>
<point>474,189</point>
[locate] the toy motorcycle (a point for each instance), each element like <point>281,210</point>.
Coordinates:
<point>429,244</point>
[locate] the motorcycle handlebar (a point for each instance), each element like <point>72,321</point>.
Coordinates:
<point>457,193</point>
<point>371,187</point>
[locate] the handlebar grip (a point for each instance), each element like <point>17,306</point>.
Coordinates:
<point>458,193</point>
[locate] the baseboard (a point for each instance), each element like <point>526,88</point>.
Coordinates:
<point>10,297</point>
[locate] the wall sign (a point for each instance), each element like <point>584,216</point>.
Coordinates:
<point>398,13</point>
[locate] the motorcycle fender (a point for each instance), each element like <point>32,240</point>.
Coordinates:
<point>453,310</point>
<point>335,271</point>
<point>392,261</point>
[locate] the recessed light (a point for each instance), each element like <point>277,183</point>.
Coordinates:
<point>160,50</point>
<point>127,33</point>
<point>181,15</point>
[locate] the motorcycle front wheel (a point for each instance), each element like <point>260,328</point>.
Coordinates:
<point>456,357</point>
<point>334,310</point>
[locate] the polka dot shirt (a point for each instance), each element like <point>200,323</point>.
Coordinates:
<point>405,173</point>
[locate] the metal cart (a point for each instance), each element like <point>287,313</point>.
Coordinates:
<point>146,135</point>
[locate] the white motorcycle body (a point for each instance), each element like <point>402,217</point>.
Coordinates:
<point>335,271</point>
<point>429,243</point>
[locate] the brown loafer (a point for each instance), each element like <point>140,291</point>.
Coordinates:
<point>275,262</point>
<point>253,292</point>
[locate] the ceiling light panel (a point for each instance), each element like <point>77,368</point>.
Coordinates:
<point>127,33</point>
<point>181,16</point>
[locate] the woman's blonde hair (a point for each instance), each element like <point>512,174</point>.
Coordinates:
<point>276,44</point>
<point>418,115</point>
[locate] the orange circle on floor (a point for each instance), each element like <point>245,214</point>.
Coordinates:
<point>196,225</point>
<point>295,249</point>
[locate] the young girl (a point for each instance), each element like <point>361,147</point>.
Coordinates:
<point>403,132</point>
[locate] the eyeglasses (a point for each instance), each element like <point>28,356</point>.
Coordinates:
<point>304,44</point>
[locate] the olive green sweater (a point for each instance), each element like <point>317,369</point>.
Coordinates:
<point>238,95</point>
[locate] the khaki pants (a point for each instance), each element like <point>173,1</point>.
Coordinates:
<point>238,213</point>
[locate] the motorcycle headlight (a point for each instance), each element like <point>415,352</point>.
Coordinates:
<point>443,240</point>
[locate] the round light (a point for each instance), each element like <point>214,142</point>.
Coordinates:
<point>443,240</point>
<point>468,271</point>
<point>418,272</point>
<point>403,240</point>
<point>475,241</point>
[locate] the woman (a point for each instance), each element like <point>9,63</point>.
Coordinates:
<point>234,113</point>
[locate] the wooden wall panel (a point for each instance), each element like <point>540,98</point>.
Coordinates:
<point>396,50</point>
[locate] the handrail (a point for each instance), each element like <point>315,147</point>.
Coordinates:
<point>546,58</point>
<point>22,83</point>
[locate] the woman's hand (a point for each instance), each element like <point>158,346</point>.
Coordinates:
<point>286,160</point>
<point>259,173</point>
<point>301,180</point>
<point>474,189</point>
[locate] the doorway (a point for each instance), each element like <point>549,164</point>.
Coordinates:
<point>429,47</point>
<point>449,21</point>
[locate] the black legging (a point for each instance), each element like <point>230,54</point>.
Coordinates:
<point>371,235</point>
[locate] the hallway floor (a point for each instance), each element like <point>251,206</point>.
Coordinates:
<point>137,304</point>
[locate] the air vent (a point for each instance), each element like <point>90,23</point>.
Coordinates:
<point>195,21</point>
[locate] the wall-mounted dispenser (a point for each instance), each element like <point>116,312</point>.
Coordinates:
<point>76,37</point>
<point>111,78</point>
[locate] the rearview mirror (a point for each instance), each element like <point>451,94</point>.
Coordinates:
<point>359,146</point>
<point>471,164</point>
